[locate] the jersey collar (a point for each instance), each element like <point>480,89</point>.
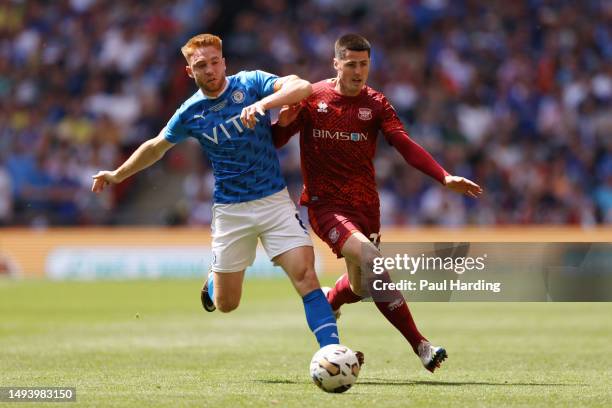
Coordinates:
<point>218,96</point>
<point>331,83</point>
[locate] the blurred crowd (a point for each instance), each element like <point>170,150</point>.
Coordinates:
<point>82,83</point>
<point>514,95</point>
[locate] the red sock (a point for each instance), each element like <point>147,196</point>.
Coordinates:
<point>342,293</point>
<point>393,306</point>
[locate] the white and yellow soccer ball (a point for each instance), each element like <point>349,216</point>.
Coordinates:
<point>334,368</point>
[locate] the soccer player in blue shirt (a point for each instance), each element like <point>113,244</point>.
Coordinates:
<point>229,116</point>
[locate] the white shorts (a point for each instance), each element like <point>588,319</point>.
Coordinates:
<point>236,227</point>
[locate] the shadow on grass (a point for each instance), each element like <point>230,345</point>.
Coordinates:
<point>277,381</point>
<point>386,381</point>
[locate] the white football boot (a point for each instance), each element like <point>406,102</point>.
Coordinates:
<point>431,356</point>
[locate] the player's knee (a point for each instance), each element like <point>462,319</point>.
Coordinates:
<point>356,287</point>
<point>369,256</point>
<point>225,305</point>
<point>306,280</point>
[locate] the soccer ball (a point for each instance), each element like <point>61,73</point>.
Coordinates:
<point>334,368</point>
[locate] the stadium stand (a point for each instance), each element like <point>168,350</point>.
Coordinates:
<point>514,95</point>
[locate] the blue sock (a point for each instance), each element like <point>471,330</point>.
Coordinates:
<point>211,287</point>
<point>320,318</point>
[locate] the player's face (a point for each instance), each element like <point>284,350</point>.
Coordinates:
<point>353,71</point>
<point>207,68</point>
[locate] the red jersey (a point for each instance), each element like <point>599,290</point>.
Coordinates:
<point>338,135</point>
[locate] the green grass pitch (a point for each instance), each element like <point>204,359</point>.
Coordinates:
<point>149,344</point>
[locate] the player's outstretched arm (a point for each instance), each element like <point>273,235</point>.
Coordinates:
<point>287,91</point>
<point>462,185</point>
<point>417,157</point>
<point>147,153</point>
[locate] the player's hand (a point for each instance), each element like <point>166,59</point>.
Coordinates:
<point>462,185</point>
<point>288,114</point>
<point>247,116</point>
<point>103,178</point>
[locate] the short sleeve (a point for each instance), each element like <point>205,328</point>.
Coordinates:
<point>175,131</point>
<point>264,82</point>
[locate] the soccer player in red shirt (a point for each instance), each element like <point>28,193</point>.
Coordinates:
<point>338,126</point>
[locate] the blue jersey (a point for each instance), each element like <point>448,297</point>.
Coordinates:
<point>244,161</point>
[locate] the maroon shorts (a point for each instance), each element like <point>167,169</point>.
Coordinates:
<point>335,226</point>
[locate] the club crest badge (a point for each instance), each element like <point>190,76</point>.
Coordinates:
<point>238,96</point>
<point>334,235</point>
<point>365,114</point>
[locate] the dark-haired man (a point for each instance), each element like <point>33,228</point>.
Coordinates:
<point>339,124</point>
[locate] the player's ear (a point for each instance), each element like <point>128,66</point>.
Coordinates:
<point>189,71</point>
<point>336,64</point>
